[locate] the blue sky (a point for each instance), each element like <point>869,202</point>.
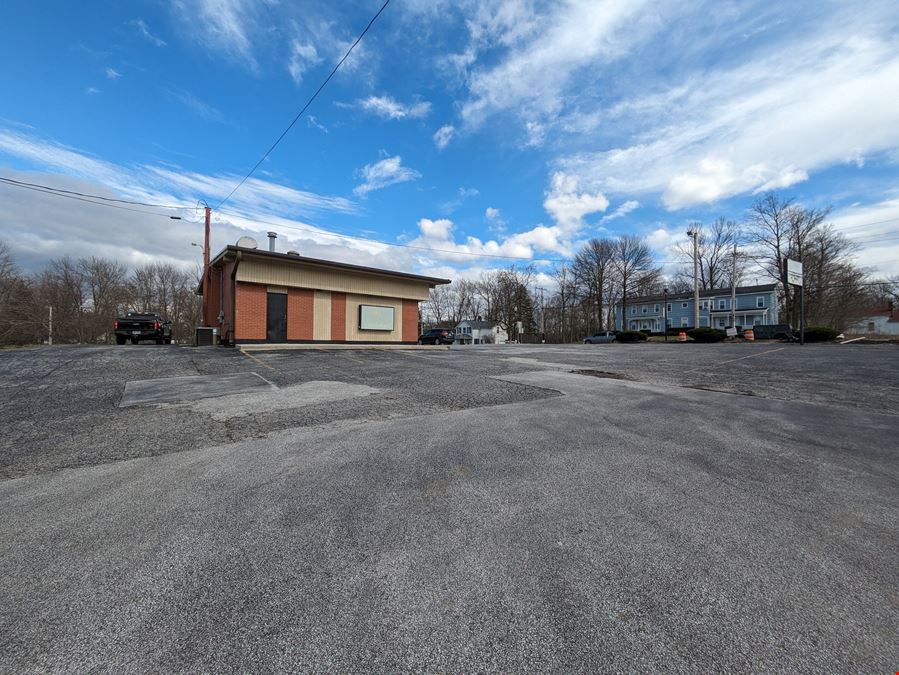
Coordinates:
<point>490,127</point>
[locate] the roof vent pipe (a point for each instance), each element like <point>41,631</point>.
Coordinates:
<point>271,241</point>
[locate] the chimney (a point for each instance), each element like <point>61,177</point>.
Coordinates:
<point>271,241</point>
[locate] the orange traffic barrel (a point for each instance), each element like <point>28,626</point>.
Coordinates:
<point>682,337</point>
<point>749,334</point>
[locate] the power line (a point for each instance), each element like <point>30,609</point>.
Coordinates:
<point>47,188</point>
<point>303,109</point>
<point>90,201</point>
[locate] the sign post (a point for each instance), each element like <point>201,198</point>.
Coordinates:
<point>794,278</point>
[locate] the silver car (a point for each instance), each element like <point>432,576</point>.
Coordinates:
<point>600,338</point>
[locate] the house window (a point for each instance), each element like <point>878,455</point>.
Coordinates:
<point>633,311</point>
<point>721,323</point>
<point>722,304</point>
<point>633,325</point>
<point>683,322</point>
<point>760,301</point>
<point>684,305</point>
<point>872,327</point>
<point>655,309</point>
<point>643,308</point>
<point>669,307</point>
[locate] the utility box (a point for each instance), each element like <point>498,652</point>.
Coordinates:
<point>206,337</point>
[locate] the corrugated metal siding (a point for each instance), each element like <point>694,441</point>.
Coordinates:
<point>352,319</point>
<point>321,323</point>
<point>298,275</point>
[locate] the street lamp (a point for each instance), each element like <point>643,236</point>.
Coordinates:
<point>665,311</point>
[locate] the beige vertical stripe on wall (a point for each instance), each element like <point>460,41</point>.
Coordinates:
<point>352,319</point>
<point>321,317</point>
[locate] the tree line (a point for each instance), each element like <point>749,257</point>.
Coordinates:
<point>610,271</point>
<point>87,294</point>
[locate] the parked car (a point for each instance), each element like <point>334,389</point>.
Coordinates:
<point>600,338</point>
<point>437,336</point>
<point>773,332</point>
<point>136,327</point>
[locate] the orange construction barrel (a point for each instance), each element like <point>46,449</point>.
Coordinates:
<point>749,334</point>
<point>682,337</point>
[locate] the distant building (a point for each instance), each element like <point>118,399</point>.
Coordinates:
<point>480,333</point>
<point>878,321</point>
<point>755,305</point>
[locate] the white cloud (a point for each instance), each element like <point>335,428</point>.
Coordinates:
<point>383,173</point>
<point>444,135</point>
<point>821,99</point>
<point>873,228</point>
<point>303,56</point>
<point>389,108</point>
<point>226,25</point>
<point>568,205</point>
<point>144,30</point>
<point>544,53</point>
<point>491,213</point>
<point>621,211</point>
<point>91,90</point>
<point>112,74</point>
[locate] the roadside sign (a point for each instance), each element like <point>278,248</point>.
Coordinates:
<point>731,332</point>
<point>794,272</point>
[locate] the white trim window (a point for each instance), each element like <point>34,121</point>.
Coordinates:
<point>722,304</point>
<point>684,305</point>
<point>656,309</point>
<point>634,310</point>
<point>644,309</point>
<point>760,302</point>
<point>669,308</point>
<point>684,322</point>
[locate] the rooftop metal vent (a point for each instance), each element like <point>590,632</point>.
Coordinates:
<point>296,253</point>
<point>271,241</point>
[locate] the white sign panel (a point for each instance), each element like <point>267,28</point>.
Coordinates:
<point>794,272</point>
<point>375,317</point>
<point>731,332</point>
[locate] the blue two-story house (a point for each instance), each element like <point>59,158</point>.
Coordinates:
<point>756,305</point>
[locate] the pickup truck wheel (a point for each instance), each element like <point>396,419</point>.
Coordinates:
<point>120,339</point>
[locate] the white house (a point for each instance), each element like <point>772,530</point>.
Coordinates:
<point>880,321</point>
<point>480,333</point>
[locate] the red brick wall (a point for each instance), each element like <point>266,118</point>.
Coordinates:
<point>410,321</point>
<point>250,309</point>
<point>338,316</point>
<point>299,313</point>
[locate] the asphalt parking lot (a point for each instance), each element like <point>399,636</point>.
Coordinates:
<point>564,508</point>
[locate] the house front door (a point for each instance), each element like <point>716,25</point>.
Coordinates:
<point>276,318</point>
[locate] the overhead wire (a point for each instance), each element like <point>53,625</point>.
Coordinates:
<point>305,107</point>
<point>49,188</point>
<point>91,201</point>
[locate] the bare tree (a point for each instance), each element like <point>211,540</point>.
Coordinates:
<point>715,245</point>
<point>593,271</point>
<point>107,294</point>
<point>634,269</point>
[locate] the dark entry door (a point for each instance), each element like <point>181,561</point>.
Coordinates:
<point>276,318</point>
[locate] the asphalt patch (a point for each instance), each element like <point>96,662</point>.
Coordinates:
<point>191,388</point>
<point>602,373</point>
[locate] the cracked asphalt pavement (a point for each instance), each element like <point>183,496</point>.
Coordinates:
<point>520,508</point>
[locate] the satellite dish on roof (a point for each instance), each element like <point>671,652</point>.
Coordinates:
<point>247,242</point>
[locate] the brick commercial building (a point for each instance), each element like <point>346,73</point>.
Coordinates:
<point>258,296</point>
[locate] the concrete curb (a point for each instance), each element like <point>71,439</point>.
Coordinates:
<point>336,347</point>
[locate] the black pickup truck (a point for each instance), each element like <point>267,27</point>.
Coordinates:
<point>137,327</point>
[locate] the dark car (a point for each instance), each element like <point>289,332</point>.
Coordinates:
<point>600,338</point>
<point>437,336</point>
<point>780,331</point>
<point>136,327</point>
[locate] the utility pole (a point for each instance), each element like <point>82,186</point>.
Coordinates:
<point>542,315</point>
<point>665,312</point>
<point>695,234</point>
<point>50,332</point>
<point>206,267</point>
<point>733,292</point>
<point>801,299</point>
